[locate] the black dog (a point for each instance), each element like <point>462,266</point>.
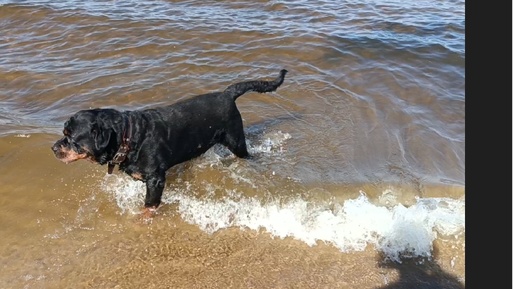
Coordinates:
<point>146,143</point>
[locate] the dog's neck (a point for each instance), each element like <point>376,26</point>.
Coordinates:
<point>124,147</point>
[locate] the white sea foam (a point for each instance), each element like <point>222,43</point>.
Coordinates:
<point>128,194</point>
<point>272,143</point>
<point>397,231</point>
<point>23,135</point>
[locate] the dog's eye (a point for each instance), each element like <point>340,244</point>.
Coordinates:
<point>70,141</point>
<point>78,149</point>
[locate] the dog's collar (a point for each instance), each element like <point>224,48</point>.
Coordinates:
<point>124,148</point>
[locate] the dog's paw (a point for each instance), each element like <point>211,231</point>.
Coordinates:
<point>147,215</point>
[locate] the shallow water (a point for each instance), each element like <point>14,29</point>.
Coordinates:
<point>358,174</point>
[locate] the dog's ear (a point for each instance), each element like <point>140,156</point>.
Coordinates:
<point>102,130</point>
<point>102,137</point>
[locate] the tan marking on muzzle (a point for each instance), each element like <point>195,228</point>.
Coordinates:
<point>67,155</point>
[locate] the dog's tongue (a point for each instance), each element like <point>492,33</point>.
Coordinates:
<point>110,168</point>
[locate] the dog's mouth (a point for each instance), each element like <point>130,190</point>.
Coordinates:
<point>67,155</point>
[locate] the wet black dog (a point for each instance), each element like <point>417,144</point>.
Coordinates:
<point>146,143</point>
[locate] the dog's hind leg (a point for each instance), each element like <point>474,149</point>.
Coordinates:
<point>234,140</point>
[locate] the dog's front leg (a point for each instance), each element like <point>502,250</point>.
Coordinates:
<point>155,185</point>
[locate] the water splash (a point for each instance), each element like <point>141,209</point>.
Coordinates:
<point>397,231</point>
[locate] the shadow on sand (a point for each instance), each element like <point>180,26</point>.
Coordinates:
<point>420,273</point>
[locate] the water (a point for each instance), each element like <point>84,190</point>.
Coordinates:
<point>357,179</point>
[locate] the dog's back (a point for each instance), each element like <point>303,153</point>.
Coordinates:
<point>190,127</point>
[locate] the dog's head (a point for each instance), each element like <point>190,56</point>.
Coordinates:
<point>89,134</point>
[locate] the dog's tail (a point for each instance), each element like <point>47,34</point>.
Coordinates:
<point>237,89</point>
